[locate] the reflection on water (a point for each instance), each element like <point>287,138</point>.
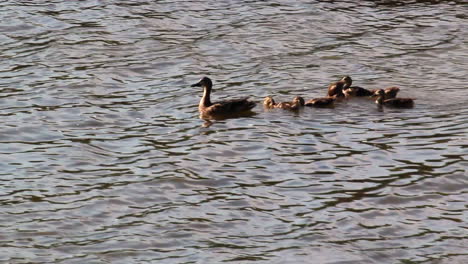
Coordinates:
<point>104,158</point>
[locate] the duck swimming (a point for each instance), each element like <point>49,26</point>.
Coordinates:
<point>336,89</point>
<point>321,102</point>
<point>390,92</point>
<point>393,102</point>
<point>357,91</point>
<point>297,102</point>
<point>208,109</point>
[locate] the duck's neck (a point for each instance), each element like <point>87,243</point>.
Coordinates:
<point>340,93</point>
<point>340,86</point>
<point>205,100</point>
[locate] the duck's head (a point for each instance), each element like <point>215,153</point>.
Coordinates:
<point>269,102</point>
<point>299,100</point>
<point>204,82</point>
<point>380,92</point>
<point>349,92</point>
<point>347,81</point>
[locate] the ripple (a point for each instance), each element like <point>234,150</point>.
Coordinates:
<point>104,158</point>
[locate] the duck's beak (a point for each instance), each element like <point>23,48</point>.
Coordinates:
<point>198,84</point>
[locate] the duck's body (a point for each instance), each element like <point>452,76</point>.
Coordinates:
<point>357,92</point>
<point>225,107</point>
<point>393,102</point>
<point>321,102</point>
<point>296,104</point>
<point>208,109</point>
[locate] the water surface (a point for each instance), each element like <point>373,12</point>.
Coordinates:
<point>103,158</point>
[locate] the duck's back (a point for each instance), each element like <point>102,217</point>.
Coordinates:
<point>399,102</point>
<point>320,102</point>
<point>229,107</point>
<point>362,91</point>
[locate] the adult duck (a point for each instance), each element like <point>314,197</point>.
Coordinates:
<point>210,109</point>
<point>296,104</point>
<point>393,102</point>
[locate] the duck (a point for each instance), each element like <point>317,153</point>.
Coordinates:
<point>393,102</point>
<point>357,91</point>
<point>321,102</point>
<point>269,102</point>
<point>336,89</point>
<point>390,92</point>
<point>210,109</point>
<point>296,104</point>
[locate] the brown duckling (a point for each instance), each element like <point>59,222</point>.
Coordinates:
<point>393,102</point>
<point>269,102</point>
<point>297,102</point>
<point>390,92</point>
<point>208,109</point>
<point>357,91</point>
<point>336,89</point>
<point>321,102</point>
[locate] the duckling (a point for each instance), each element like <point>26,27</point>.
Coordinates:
<point>390,92</point>
<point>297,102</point>
<point>321,102</point>
<point>354,90</point>
<point>269,102</point>
<point>208,109</point>
<point>336,89</point>
<point>393,102</point>
<point>357,91</point>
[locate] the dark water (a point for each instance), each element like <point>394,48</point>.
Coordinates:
<point>103,158</point>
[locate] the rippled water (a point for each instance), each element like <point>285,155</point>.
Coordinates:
<point>104,160</point>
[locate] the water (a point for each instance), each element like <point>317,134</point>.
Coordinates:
<point>104,160</point>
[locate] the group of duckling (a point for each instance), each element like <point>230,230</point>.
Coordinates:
<point>337,91</point>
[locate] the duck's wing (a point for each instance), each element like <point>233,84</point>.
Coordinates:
<point>400,102</point>
<point>231,106</point>
<point>323,101</point>
<point>362,91</point>
<point>284,105</point>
